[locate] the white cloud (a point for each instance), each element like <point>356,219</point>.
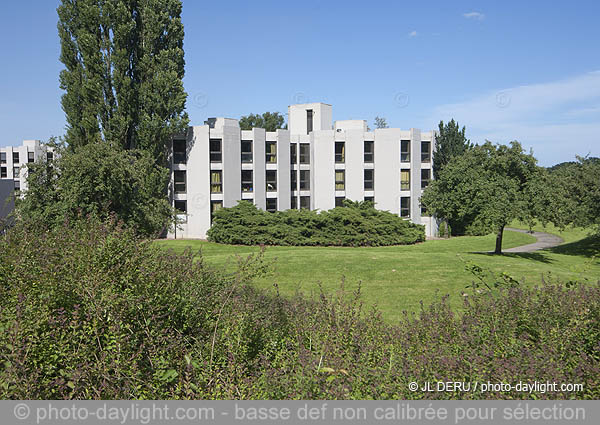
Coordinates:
<point>558,119</point>
<point>582,112</point>
<point>474,15</point>
<point>412,34</point>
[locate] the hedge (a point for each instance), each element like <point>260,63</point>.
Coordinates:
<point>354,224</point>
<point>89,311</point>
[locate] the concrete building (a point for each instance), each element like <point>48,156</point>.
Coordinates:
<point>14,158</point>
<point>314,164</point>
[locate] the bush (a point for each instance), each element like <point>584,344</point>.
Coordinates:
<point>354,224</point>
<point>88,310</point>
<point>91,311</point>
<point>102,180</point>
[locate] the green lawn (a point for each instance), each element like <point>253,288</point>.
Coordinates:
<point>569,235</point>
<point>397,278</point>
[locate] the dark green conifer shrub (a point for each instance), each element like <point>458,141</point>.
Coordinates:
<point>354,224</point>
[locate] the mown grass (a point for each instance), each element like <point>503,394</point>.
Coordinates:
<point>398,278</point>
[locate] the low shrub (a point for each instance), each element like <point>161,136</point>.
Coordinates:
<point>354,224</point>
<point>89,311</point>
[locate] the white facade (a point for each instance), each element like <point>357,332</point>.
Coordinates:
<point>13,159</point>
<point>313,164</point>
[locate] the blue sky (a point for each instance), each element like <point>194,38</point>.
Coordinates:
<point>508,70</point>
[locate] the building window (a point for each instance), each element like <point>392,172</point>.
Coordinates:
<point>370,199</point>
<point>294,180</point>
<point>2,157</point>
<point>340,180</point>
<point>405,179</point>
<point>425,177</point>
<point>180,180</point>
<point>179,151</point>
<point>369,179</point>
<point>339,201</point>
<point>216,181</point>
<point>304,153</point>
<point>15,157</point>
<point>3,172</point>
<point>246,146</point>
<point>30,157</point>
<point>369,151</point>
<point>305,202</point>
<point>181,207</point>
<point>271,204</point>
<point>293,153</point>
<point>309,121</point>
<point>294,203</point>
<point>425,151</point>
<point>216,153</point>
<point>17,185</point>
<point>405,151</point>
<point>304,180</point>
<point>271,152</point>
<point>214,207</point>
<point>49,156</point>
<point>340,152</point>
<point>247,181</point>
<point>405,206</point>
<point>16,171</point>
<point>271,180</point>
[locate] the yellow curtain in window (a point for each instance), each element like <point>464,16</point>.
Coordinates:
<point>344,152</point>
<point>405,180</point>
<point>215,180</point>
<point>339,180</point>
<point>272,152</point>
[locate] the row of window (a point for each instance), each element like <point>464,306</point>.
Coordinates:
<point>4,172</point>
<point>216,181</point>
<point>304,202</point>
<point>405,178</point>
<point>247,181</point>
<point>216,153</point>
<point>30,157</point>
<point>181,207</point>
<point>271,204</point>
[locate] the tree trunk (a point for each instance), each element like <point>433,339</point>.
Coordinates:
<point>499,240</point>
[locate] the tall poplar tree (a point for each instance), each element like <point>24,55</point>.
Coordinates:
<point>124,65</point>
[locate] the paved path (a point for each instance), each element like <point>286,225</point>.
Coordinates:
<point>544,240</point>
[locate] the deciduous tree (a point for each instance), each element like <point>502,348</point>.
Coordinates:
<point>270,121</point>
<point>98,180</point>
<point>486,186</point>
<point>124,65</point>
<point>380,122</point>
<point>577,187</point>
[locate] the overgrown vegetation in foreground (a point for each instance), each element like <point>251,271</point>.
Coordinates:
<point>89,311</point>
<point>354,224</point>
